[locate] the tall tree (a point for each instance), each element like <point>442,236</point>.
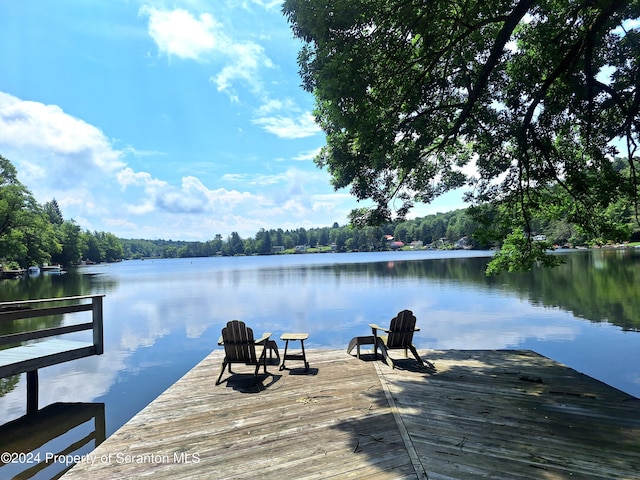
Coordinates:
<point>70,237</point>
<point>26,237</point>
<point>539,93</point>
<point>52,209</point>
<point>234,245</point>
<point>263,240</point>
<point>111,246</point>
<point>94,250</point>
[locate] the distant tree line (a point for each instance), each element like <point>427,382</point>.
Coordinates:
<point>33,234</point>
<point>454,229</point>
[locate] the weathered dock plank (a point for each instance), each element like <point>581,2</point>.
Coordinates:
<point>516,415</point>
<point>332,422</point>
<point>484,414</point>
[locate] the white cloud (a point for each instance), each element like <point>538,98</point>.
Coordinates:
<point>118,224</point>
<point>293,199</point>
<point>286,127</point>
<point>179,33</point>
<point>307,156</point>
<point>235,177</point>
<point>191,197</point>
<point>292,176</point>
<point>52,149</point>
<point>330,201</point>
<point>202,38</point>
<point>267,4</point>
<point>271,105</point>
<point>248,58</point>
<point>127,177</point>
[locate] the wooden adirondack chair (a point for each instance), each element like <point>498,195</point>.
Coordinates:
<point>399,335</point>
<point>240,347</point>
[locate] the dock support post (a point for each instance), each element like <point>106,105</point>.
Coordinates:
<point>98,338</point>
<point>100,425</point>
<point>32,391</point>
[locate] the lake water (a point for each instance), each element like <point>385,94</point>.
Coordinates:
<point>161,317</point>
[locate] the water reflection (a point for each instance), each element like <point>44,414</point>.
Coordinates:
<point>163,316</point>
<point>74,429</point>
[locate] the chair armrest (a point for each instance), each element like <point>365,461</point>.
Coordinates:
<point>263,339</point>
<point>378,327</point>
<point>265,336</point>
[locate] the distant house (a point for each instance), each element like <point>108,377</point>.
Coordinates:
<point>301,248</point>
<point>540,238</point>
<point>463,243</point>
<point>443,241</point>
<point>416,244</point>
<point>277,249</point>
<point>396,245</point>
<point>393,244</point>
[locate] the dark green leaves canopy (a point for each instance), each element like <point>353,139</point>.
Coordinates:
<point>541,95</point>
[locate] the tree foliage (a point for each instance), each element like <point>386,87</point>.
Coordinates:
<point>26,237</point>
<point>32,234</point>
<point>540,94</point>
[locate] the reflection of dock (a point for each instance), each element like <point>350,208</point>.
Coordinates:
<point>510,414</point>
<point>51,268</point>
<point>17,273</point>
<point>48,432</point>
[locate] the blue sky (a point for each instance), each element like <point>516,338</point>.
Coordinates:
<point>176,120</point>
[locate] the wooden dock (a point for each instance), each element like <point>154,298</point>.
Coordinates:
<point>17,356</point>
<point>483,414</point>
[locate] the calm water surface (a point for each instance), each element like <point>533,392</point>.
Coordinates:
<point>161,317</point>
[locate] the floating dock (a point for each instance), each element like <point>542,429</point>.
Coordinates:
<point>483,414</point>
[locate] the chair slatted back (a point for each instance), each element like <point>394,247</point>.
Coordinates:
<point>401,330</point>
<point>239,344</point>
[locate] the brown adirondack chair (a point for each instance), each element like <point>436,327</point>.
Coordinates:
<point>240,347</point>
<point>399,335</point>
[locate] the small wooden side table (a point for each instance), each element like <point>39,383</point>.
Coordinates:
<point>358,341</point>
<point>294,356</point>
